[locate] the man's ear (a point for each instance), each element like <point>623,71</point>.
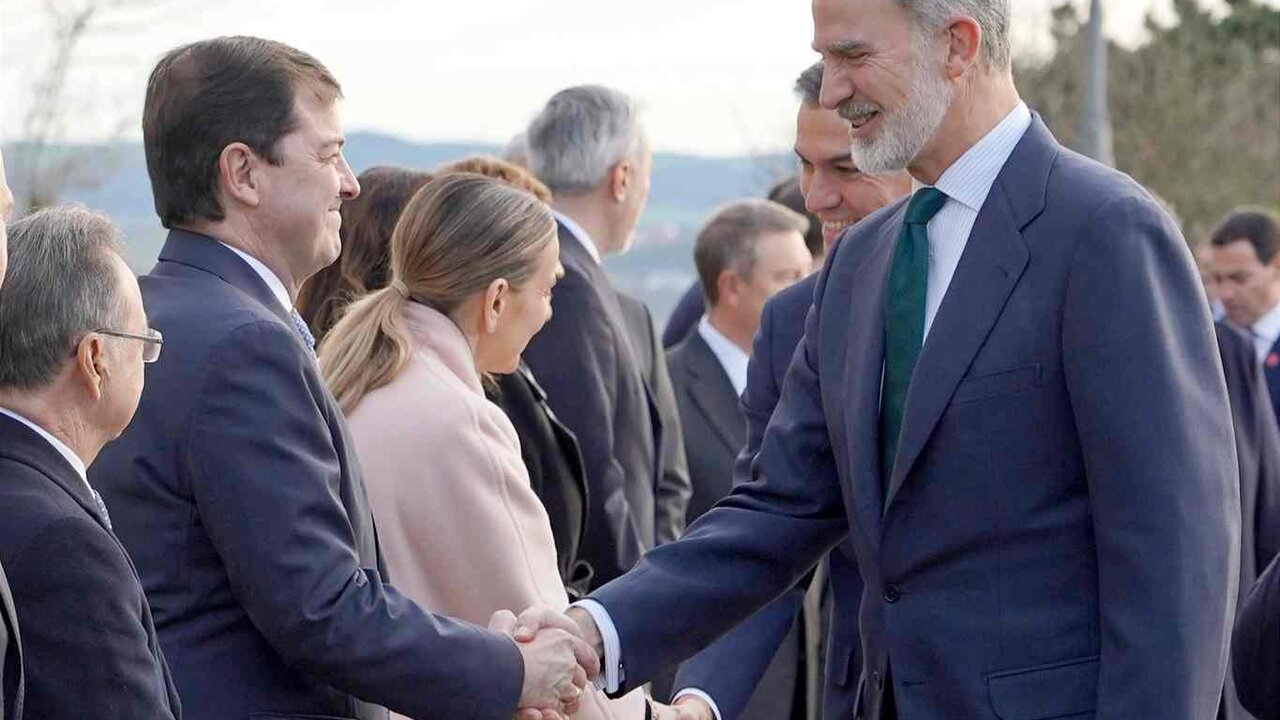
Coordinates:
<point>729,286</point>
<point>964,46</point>
<point>620,180</point>
<point>90,364</point>
<point>238,176</point>
<point>496,297</point>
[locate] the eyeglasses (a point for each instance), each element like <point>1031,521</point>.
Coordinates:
<point>152,342</point>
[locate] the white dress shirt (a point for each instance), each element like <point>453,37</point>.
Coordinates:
<point>731,357</point>
<point>579,234</point>
<point>264,272</point>
<point>1265,332</point>
<point>72,459</point>
<point>967,183</point>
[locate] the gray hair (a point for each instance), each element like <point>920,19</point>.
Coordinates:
<point>728,241</point>
<point>992,16</point>
<point>61,284</point>
<point>809,86</point>
<point>580,134</point>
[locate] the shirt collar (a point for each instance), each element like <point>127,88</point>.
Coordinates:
<point>578,234</point>
<point>72,459</point>
<point>1268,326</point>
<point>970,178</point>
<point>264,272</point>
<point>731,357</point>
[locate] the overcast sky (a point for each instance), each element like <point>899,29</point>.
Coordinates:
<point>714,75</point>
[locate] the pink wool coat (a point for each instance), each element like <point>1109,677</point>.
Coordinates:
<point>462,531</point>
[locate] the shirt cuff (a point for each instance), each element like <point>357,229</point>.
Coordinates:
<point>695,692</point>
<point>611,679</point>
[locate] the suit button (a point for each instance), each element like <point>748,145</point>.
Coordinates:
<point>877,681</point>
<point>891,593</point>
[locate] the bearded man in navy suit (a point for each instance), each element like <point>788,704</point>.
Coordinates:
<point>1008,397</point>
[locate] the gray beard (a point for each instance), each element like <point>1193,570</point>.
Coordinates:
<point>905,132</point>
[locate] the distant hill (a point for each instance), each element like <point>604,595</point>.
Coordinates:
<point>684,190</point>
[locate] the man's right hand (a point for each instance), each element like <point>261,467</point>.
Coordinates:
<point>556,663</point>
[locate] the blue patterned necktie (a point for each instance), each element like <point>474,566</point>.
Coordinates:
<point>904,310</point>
<point>102,507</point>
<point>304,332</point>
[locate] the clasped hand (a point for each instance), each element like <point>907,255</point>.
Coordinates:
<point>561,656</point>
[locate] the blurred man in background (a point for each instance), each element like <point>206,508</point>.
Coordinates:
<point>588,146</point>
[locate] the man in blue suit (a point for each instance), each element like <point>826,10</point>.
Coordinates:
<point>1246,266</point>
<point>73,340</point>
<point>236,488</point>
<point>11,679</point>
<point>838,195</point>
<point>1008,396</point>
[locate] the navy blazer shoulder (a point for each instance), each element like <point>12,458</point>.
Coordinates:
<point>99,659</point>
<point>685,315</point>
<point>238,493</point>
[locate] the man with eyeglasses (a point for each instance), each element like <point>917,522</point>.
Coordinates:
<point>73,341</point>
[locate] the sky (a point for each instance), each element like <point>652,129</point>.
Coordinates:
<point>714,76</point>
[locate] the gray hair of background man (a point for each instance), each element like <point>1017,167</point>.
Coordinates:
<point>580,134</point>
<point>809,86</point>
<point>62,283</point>
<point>729,239</point>
<point>991,15</point>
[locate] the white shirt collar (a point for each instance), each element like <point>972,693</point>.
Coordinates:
<point>1266,331</point>
<point>578,234</point>
<point>970,178</point>
<point>66,452</point>
<point>264,272</point>
<point>731,357</point>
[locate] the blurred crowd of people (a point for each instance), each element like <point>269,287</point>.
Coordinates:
<point>382,415</point>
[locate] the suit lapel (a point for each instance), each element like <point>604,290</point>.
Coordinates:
<point>205,253</point>
<point>22,444</point>
<point>713,393</point>
<point>864,369</point>
<point>993,261</point>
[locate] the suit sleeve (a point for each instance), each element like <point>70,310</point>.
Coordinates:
<point>1255,656</point>
<point>84,628</point>
<point>729,669</point>
<point>574,358</point>
<point>1146,388</point>
<point>675,487</point>
<point>266,479</point>
<point>785,511</point>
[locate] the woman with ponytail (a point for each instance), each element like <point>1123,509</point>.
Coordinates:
<point>473,262</point>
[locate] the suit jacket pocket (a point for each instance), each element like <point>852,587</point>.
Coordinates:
<point>990,385</point>
<point>1059,690</point>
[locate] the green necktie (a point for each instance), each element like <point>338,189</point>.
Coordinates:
<point>904,318</point>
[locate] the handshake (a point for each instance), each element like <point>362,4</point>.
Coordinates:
<point>561,653</point>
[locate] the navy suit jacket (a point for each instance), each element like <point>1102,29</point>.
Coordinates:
<point>1255,651</point>
<point>1258,451</point>
<point>686,314</point>
<point>1060,535</point>
<point>89,643</point>
<point>11,680</point>
<point>730,669</point>
<point>595,384</point>
<point>238,494</point>
<point>1271,371</point>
